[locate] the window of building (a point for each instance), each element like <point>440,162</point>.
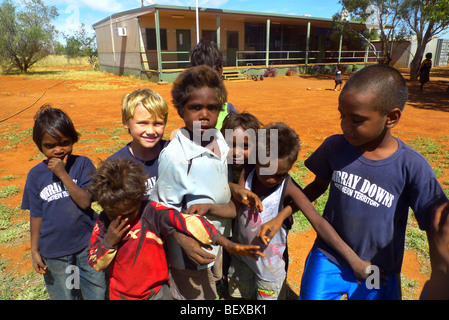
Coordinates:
<point>210,35</point>
<point>151,39</point>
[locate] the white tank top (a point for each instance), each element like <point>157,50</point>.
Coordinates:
<point>248,224</point>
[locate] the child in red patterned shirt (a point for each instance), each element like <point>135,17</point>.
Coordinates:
<point>130,232</point>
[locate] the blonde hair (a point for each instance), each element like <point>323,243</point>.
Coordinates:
<point>149,99</point>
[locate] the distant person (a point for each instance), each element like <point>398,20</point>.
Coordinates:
<point>337,77</point>
<point>374,179</point>
<point>424,70</point>
<point>207,53</point>
<point>61,217</point>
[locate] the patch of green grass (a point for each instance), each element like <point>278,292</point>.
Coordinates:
<point>15,232</point>
<point>8,191</point>
<point>416,240</point>
<point>14,138</point>
<point>89,141</point>
<point>117,132</point>
<point>409,288</point>
<point>112,149</point>
<point>9,177</point>
<point>6,213</point>
<point>425,146</point>
<point>29,286</point>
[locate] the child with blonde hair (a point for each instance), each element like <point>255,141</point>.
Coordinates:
<point>144,114</point>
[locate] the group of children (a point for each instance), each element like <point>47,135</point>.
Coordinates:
<point>169,208</point>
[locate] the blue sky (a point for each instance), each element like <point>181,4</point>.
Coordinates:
<point>74,12</point>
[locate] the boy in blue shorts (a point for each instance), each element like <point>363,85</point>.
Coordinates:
<point>374,179</point>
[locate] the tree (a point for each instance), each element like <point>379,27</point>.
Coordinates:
<point>426,19</point>
<point>26,33</point>
<point>82,45</point>
<point>383,15</point>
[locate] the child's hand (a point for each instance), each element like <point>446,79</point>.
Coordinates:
<point>244,250</point>
<point>38,265</point>
<point>116,230</point>
<point>271,227</point>
<point>194,249</point>
<point>57,165</point>
<point>200,209</point>
<point>440,229</point>
<point>248,198</point>
<point>364,269</point>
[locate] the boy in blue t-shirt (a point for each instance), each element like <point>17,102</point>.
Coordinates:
<point>374,179</point>
<point>144,114</point>
<point>61,217</point>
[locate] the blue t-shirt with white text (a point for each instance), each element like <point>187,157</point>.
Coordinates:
<point>369,200</point>
<point>65,227</point>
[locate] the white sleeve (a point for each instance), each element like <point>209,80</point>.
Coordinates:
<point>172,183</point>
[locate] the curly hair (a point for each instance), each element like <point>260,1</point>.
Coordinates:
<point>287,141</point>
<point>118,181</point>
<point>206,52</point>
<point>193,79</point>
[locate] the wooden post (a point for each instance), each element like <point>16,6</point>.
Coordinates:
<point>267,48</point>
<point>307,43</point>
<point>218,32</point>
<point>339,48</point>
<point>158,44</point>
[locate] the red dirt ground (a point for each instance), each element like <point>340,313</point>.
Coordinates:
<point>305,103</point>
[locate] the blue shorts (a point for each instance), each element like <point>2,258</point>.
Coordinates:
<point>325,280</point>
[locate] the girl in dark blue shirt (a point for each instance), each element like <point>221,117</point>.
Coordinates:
<point>61,217</point>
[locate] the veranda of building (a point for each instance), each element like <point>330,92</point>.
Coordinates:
<point>153,42</point>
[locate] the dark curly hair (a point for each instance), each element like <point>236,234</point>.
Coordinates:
<point>206,52</point>
<point>118,181</point>
<point>287,140</point>
<point>193,79</point>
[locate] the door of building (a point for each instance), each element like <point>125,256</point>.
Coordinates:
<point>232,47</point>
<point>183,43</point>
